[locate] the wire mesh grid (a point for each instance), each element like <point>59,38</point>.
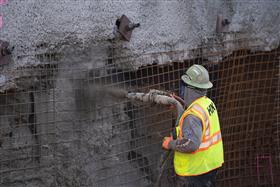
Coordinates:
<point>60,127</point>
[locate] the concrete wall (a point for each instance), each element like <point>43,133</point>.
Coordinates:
<point>164,23</point>
<point>79,30</point>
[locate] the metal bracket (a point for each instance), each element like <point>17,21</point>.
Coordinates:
<point>221,24</point>
<point>125,27</point>
<point>5,53</point>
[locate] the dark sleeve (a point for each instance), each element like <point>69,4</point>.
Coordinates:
<point>191,136</point>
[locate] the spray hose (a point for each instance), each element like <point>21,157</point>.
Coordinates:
<point>158,97</point>
<point>164,98</point>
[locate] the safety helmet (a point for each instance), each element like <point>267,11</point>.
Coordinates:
<point>197,76</point>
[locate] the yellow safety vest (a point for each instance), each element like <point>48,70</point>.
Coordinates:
<point>210,154</point>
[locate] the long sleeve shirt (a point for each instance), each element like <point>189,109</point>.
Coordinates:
<point>192,127</point>
<point>191,136</point>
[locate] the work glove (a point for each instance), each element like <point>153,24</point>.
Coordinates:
<point>165,142</point>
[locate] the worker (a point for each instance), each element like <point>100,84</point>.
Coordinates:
<point>198,147</point>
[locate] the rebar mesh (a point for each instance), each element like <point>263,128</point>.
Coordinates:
<point>59,126</point>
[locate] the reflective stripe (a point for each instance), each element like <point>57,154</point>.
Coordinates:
<point>200,110</point>
<point>209,142</point>
<point>212,140</point>
<point>210,153</point>
<point>207,133</point>
<point>193,112</point>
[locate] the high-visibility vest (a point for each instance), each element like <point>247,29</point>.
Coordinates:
<point>210,154</point>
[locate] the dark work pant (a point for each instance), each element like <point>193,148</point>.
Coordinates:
<point>205,180</point>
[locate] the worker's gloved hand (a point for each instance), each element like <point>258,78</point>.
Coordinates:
<point>166,141</point>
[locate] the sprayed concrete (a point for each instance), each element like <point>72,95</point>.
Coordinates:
<point>80,31</point>
<point>164,24</point>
